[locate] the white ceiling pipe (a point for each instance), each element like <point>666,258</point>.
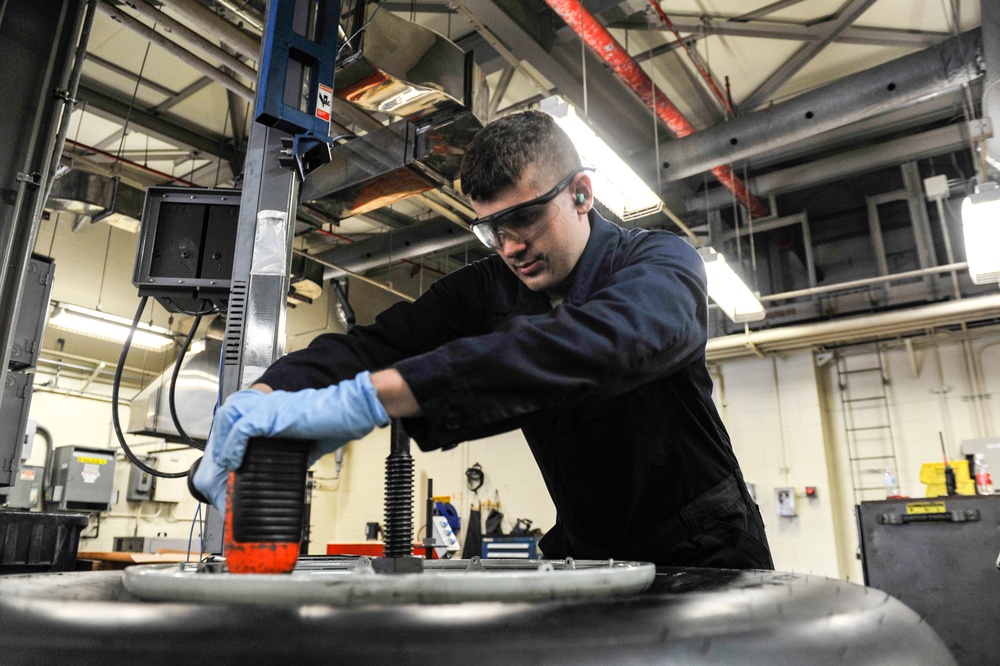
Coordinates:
<point>217,27</point>
<point>854,329</point>
<point>176,50</point>
<point>195,41</point>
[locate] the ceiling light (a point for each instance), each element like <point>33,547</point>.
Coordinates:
<point>981,225</point>
<point>616,186</point>
<point>729,291</point>
<point>109,327</point>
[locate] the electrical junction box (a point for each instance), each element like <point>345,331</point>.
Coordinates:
<point>13,424</point>
<point>140,483</point>
<point>27,489</point>
<point>784,502</point>
<point>34,312</point>
<point>936,187</point>
<point>171,490</point>
<point>81,479</point>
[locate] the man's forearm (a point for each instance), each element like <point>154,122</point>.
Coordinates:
<point>393,392</point>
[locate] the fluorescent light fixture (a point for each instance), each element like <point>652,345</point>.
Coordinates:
<point>729,291</point>
<point>109,327</point>
<point>981,225</point>
<point>615,184</point>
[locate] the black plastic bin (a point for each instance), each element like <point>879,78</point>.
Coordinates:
<point>39,542</point>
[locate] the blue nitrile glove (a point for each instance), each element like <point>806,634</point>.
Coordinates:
<point>333,416</point>
<point>210,478</point>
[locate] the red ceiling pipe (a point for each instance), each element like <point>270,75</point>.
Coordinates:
<point>596,36</point>
<point>705,74</point>
<point>134,165</point>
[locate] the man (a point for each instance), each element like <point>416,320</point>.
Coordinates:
<point>588,337</point>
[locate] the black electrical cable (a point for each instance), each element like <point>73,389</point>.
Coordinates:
<point>357,32</point>
<point>194,313</point>
<point>116,422</point>
<point>173,386</point>
<point>47,436</point>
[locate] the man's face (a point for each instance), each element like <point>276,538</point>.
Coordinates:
<point>544,259</point>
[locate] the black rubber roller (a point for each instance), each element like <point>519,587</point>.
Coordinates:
<point>268,492</point>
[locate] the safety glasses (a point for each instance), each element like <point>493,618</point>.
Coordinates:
<point>522,222</point>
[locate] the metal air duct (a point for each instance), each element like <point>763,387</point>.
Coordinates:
<point>196,394</point>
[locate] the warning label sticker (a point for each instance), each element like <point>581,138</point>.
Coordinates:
<point>28,474</point>
<point>324,102</point>
<point>916,508</point>
<point>92,461</point>
<point>90,473</point>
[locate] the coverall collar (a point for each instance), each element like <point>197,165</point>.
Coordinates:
<point>594,266</point>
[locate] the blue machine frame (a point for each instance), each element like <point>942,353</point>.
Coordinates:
<point>298,56</point>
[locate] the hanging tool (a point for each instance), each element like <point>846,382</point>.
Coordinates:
<point>949,473</point>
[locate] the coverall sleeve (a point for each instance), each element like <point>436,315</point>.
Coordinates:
<point>648,319</point>
<point>441,314</point>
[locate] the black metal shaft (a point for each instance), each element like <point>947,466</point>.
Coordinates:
<point>398,495</point>
<point>429,537</point>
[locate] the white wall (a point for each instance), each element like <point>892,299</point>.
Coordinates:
<point>772,411</point>
<point>944,385</point>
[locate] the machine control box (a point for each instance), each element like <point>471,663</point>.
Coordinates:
<point>13,424</point>
<point>187,240</point>
<point>30,323</point>
<point>81,479</point>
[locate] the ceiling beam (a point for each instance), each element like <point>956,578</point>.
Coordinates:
<point>620,116</point>
<point>109,103</point>
<point>699,26</point>
<point>848,13</point>
<point>852,162</point>
<point>847,100</point>
<point>766,9</point>
<point>178,97</point>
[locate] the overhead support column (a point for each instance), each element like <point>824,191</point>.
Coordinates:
<point>36,77</point>
<point>989,10</point>
<point>878,90</point>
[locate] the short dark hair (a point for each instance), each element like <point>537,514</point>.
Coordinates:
<point>499,154</point>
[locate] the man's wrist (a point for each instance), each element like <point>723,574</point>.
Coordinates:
<point>263,388</point>
<point>395,394</point>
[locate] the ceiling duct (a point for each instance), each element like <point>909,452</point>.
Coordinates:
<point>410,71</point>
<point>96,198</point>
<point>406,70</point>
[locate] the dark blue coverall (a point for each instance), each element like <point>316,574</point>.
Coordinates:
<point>610,389</point>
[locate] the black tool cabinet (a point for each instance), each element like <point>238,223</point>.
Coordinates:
<point>939,557</point>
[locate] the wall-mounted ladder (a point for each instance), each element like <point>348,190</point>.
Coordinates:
<point>864,399</point>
